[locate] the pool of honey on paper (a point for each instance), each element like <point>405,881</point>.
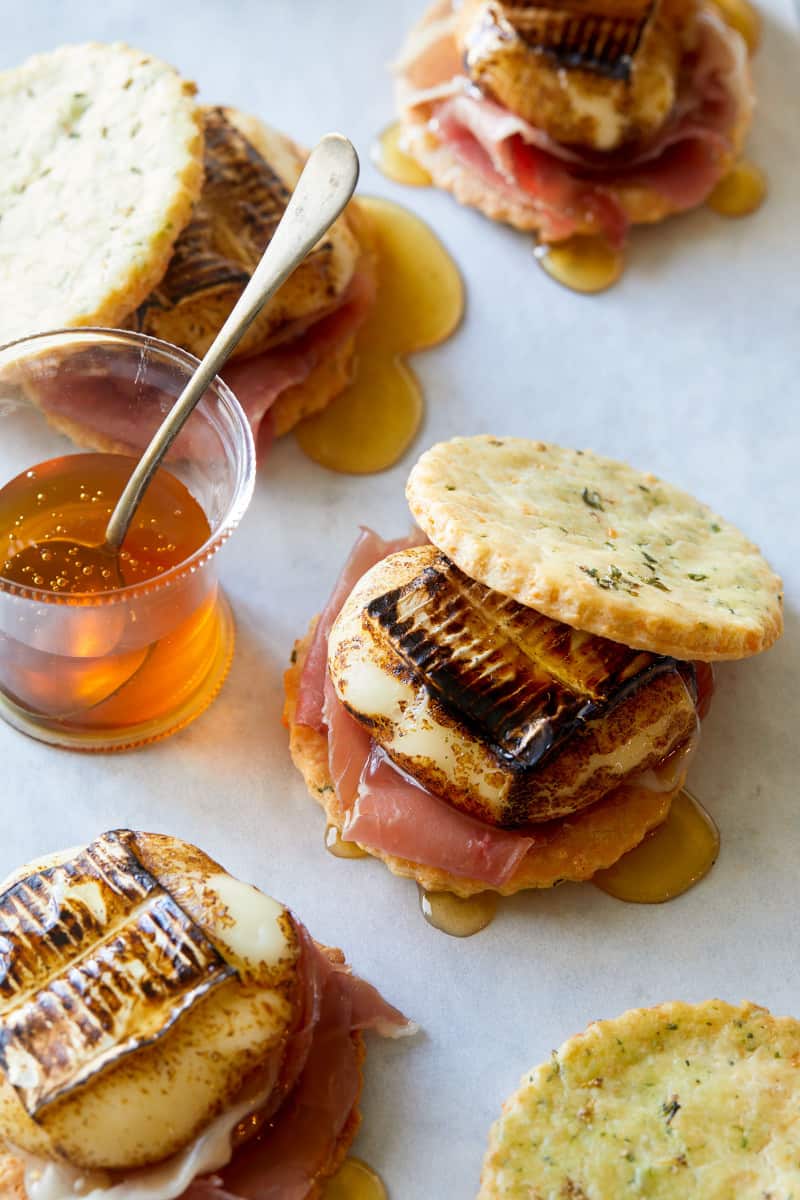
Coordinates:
<point>419,302</point>
<point>94,662</point>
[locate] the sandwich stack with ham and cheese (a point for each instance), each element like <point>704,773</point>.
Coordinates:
<point>510,698</point>
<point>169,1031</point>
<point>575,117</point>
<point>125,203</point>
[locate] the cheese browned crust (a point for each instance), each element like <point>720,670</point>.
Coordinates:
<point>573,848</point>
<point>500,711</point>
<point>162,993</point>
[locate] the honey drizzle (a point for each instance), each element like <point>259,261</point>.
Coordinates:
<point>741,192</point>
<point>456,916</point>
<point>744,18</point>
<point>670,860</point>
<point>354,1181</point>
<point>583,263</point>
<point>336,845</point>
<point>420,300</point>
<point>391,159</point>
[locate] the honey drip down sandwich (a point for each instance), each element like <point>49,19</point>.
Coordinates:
<point>581,117</point>
<point>164,1025</point>
<point>511,697</point>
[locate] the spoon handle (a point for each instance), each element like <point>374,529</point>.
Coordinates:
<point>323,189</point>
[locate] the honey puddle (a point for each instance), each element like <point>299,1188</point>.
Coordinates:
<point>583,263</point>
<point>354,1181</point>
<point>740,193</point>
<point>744,18</point>
<point>456,916</point>
<point>420,300</point>
<point>670,860</point>
<point>390,158</point>
<point>336,845</point>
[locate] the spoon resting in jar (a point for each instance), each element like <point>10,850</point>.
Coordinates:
<point>326,184</point>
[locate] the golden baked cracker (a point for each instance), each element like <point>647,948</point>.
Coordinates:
<point>101,161</point>
<point>642,205</point>
<point>250,172</point>
<point>676,1101</point>
<point>598,545</point>
<point>573,848</point>
<point>12,1178</point>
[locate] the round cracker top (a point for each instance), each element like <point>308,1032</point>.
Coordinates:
<point>101,161</point>
<point>667,1102</point>
<point>598,545</point>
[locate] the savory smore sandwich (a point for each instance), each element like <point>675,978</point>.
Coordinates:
<point>125,203</point>
<point>575,116</point>
<point>513,699</point>
<point>168,1031</point>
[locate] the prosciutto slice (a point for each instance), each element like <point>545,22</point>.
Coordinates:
<point>568,188</point>
<point>319,1086</point>
<point>120,410</point>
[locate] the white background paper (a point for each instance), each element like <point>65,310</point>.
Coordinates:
<point>687,368</point>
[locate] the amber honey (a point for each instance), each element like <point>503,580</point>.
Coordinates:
<point>354,1181</point>
<point>741,192</point>
<point>583,263</point>
<point>670,860</point>
<point>339,848</point>
<point>457,916</point>
<point>390,158</point>
<point>99,644</point>
<point>420,301</point>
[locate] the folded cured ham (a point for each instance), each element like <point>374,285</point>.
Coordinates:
<point>577,118</point>
<point>455,727</point>
<point>139,977</point>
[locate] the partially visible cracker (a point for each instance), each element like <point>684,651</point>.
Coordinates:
<point>101,162</point>
<point>572,849</point>
<point>598,545</point>
<point>671,1102</point>
<point>12,1178</point>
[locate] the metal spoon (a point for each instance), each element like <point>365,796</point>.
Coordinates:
<point>323,189</point>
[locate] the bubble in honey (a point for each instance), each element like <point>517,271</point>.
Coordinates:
<point>457,916</point>
<point>740,193</point>
<point>583,263</point>
<point>671,859</point>
<point>392,160</point>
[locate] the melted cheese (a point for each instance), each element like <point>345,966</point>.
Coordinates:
<point>251,930</point>
<point>165,1181</point>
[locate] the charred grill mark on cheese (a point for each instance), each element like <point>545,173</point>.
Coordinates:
<point>96,961</point>
<point>243,200</point>
<point>521,682</point>
<point>595,35</point>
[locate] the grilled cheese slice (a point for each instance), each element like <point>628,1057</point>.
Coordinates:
<point>137,978</point>
<point>506,714</point>
<point>250,172</point>
<point>591,73</point>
